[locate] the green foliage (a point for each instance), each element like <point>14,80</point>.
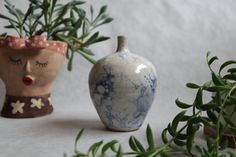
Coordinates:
<point>180,134</point>
<point>65,22</point>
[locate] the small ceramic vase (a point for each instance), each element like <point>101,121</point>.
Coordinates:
<point>27,68</point>
<point>122,88</point>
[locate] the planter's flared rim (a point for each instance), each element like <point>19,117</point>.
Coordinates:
<point>34,42</point>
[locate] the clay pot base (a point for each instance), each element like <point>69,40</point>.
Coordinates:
<point>26,107</point>
<point>211,132</point>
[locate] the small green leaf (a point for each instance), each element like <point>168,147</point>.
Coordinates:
<point>94,148</point>
<point>132,144</point>
<point>209,106</point>
<point>232,70</point>
<point>108,146</point>
<point>136,145</point>
<point>207,84</point>
<point>69,66</point>
<point>7,18</point>
<point>212,60</point>
<point>182,136</point>
<point>119,153</point>
<point>198,101</point>
<point>179,142</point>
<point>194,120</point>
<point>212,116</point>
<point>103,10</point>
<point>87,57</point>
<point>230,62</point>
<point>91,11</point>
<point>192,85</point>
<point>150,138</point>
<point>164,136</point>
<point>217,88</point>
<point>87,51</point>
<point>217,80</point>
<point>171,130</point>
<point>177,119</point>
<point>182,105</point>
<point>191,130</point>
<point>92,39</point>
<point>230,77</point>
<point>77,139</point>
<point>107,20</point>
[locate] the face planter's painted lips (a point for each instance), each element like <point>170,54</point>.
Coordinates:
<point>27,80</point>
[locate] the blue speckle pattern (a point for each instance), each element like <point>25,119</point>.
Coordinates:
<point>152,80</point>
<point>122,97</point>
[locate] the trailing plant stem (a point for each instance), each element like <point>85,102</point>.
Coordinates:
<point>222,107</point>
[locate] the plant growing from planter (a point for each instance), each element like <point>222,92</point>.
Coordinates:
<point>217,116</point>
<point>47,32</point>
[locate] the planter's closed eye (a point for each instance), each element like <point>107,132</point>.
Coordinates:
<point>14,61</point>
<point>41,65</point>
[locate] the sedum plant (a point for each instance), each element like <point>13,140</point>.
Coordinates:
<point>67,22</point>
<point>179,137</point>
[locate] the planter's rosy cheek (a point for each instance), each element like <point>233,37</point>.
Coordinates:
<point>46,66</point>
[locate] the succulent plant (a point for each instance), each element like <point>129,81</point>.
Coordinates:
<point>64,22</point>
<point>180,135</point>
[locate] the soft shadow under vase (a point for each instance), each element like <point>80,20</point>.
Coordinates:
<point>122,88</point>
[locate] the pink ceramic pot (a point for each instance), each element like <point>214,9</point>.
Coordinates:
<point>28,68</point>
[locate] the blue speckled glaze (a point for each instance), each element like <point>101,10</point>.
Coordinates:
<point>122,88</point>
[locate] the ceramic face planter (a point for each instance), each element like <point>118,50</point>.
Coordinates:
<point>122,87</point>
<point>27,68</point>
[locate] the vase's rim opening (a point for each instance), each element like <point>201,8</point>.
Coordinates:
<point>35,42</point>
<point>122,43</point>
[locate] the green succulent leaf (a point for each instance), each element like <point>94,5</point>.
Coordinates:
<point>182,105</point>
<point>77,139</point>
<point>230,77</point>
<point>192,85</point>
<point>94,148</point>
<point>150,138</point>
<point>198,100</point>
<point>108,146</point>
<point>136,145</point>
<point>177,119</point>
<point>230,62</point>
<point>212,60</point>
<point>217,80</point>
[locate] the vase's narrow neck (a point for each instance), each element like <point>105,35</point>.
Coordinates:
<point>122,44</point>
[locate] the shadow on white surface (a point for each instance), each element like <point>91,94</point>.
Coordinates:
<point>72,124</point>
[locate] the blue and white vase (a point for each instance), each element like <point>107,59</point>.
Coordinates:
<point>122,88</point>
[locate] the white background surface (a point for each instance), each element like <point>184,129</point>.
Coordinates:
<point>174,35</point>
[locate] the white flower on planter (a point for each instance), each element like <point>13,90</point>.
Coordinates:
<point>17,107</point>
<point>50,101</point>
<point>36,103</point>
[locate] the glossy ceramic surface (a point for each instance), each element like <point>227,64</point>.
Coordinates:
<point>28,68</point>
<point>123,87</point>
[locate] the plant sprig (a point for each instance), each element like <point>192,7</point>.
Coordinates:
<point>180,134</point>
<point>65,22</point>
